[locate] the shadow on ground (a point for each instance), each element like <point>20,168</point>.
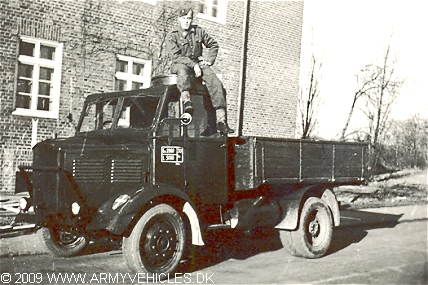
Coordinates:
<point>355,224</point>
<point>224,245</point>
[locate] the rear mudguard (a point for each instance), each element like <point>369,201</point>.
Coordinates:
<point>293,203</point>
<point>117,214</point>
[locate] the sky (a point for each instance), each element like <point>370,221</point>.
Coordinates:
<point>348,34</point>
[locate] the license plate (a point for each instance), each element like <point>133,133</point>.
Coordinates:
<point>172,154</point>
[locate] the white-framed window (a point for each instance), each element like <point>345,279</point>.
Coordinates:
<point>38,78</point>
<point>131,73</point>
<point>214,10</point>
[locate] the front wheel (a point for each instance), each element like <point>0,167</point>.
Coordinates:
<point>61,243</point>
<point>315,231</point>
<point>157,242</point>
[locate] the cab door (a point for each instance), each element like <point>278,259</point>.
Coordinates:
<point>206,170</point>
<point>195,164</point>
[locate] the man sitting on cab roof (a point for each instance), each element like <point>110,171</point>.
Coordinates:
<point>184,44</point>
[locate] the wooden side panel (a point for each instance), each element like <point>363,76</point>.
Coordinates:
<point>349,161</point>
<point>262,160</point>
<point>280,159</point>
<point>244,165</point>
<point>317,160</point>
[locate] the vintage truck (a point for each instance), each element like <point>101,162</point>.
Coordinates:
<point>138,169</point>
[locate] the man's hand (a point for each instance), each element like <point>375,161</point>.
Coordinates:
<point>197,69</point>
<point>204,63</point>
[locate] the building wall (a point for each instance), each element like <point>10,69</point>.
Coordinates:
<point>273,66</point>
<point>95,31</point>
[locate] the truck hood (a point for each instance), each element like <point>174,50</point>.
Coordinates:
<point>99,141</point>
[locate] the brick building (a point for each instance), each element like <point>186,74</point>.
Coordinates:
<point>55,52</point>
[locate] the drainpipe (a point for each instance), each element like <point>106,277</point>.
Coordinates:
<point>243,70</point>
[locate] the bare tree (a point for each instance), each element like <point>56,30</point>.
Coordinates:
<point>405,144</point>
<point>309,99</point>
<point>414,138</point>
<point>384,85</point>
<point>366,81</point>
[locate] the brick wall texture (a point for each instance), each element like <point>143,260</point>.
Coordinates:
<point>95,31</point>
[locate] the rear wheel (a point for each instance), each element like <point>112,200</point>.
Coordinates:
<point>61,243</point>
<point>157,242</point>
<point>315,231</point>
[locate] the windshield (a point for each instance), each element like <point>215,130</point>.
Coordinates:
<point>130,112</point>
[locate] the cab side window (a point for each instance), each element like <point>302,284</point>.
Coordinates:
<point>138,112</point>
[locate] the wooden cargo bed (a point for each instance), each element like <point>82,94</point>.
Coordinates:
<point>267,160</point>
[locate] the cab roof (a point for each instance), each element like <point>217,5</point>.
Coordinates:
<point>152,91</point>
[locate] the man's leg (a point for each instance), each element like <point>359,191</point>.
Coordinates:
<point>183,85</point>
<point>211,127</point>
<point>218,99</point>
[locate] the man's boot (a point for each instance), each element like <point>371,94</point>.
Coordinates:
<point>187,104</point>
<point>222,126</point>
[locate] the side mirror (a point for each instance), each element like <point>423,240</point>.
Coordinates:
<point>185,119</point>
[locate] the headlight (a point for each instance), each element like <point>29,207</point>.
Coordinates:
<point>122,199</point>
<point>24,203</point>
<point>75,208</point>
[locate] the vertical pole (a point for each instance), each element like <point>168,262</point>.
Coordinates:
<point>243,70</point>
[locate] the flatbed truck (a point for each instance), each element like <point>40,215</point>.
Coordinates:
<point>137,169</point>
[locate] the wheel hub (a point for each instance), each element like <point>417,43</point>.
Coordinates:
<point>67,239</point>
<point>160,243</point>
<point>314,228</point>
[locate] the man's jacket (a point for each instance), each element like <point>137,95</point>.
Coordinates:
<point>188,49</point>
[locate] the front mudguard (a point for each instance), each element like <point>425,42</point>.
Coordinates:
<point>293,203</point>
<point>118,219</point>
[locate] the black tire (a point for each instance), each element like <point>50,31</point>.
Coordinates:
<point>314,234</point>
<point>62,244</point>
<point>157,242</point>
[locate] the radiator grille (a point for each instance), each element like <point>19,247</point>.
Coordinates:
<point>88,170</point>
<point>126,170</point>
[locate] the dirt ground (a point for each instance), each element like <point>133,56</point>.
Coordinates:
<point>407,187</point>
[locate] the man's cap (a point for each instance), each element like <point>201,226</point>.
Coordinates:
<point>184,11</point>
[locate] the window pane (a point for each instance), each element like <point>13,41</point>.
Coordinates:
<point>89,120</point>
<point>24,86</point>
<point>105,112</point>
<point>25,70</point>
<point>23,101</point>
<point>214,12</point>
<point>26,48</point>
<point>120,85</point>
<point>47,52</point>
<point>137,85</point>
<point>43,104</point>
<point>121,66</point>
<point>138,69</point>
<point>143,111</point>
<point>46,73</point>
<point>44,88</point>
<point>202,7</point>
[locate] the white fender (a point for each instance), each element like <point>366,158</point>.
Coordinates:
<point>330,199</point>
<point>194,224</point>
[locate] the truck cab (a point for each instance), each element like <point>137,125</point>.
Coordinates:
<point>138,169</point>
